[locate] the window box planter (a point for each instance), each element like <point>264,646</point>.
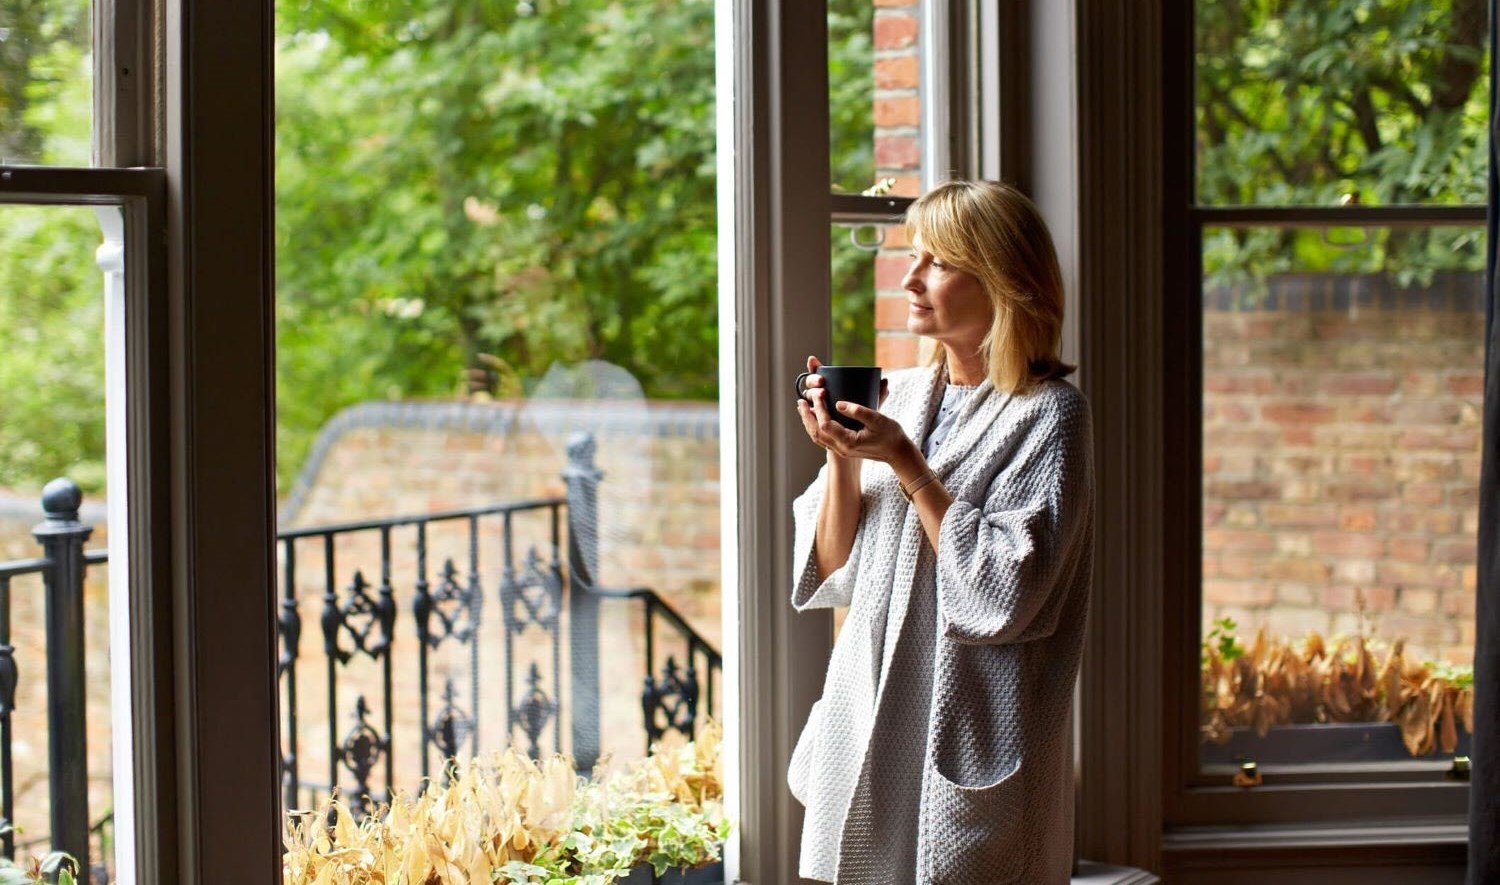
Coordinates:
<point>1335,742</point>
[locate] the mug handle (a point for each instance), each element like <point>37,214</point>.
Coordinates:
<point>801,391</point>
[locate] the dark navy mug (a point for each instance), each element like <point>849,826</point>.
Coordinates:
<point>853,384</point>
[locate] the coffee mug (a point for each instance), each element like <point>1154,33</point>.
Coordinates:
<point>853,384</point>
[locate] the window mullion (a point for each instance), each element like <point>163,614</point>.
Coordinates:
<point>125,83</point>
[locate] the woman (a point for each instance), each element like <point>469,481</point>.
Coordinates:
<point>958,528</point>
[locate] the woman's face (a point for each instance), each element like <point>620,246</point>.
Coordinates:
<point>945,303</point>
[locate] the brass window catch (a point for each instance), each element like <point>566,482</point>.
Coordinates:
<point>1460,769</point>
<point>1248,775</point>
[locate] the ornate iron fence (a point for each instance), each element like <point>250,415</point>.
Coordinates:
<point>545,593</point>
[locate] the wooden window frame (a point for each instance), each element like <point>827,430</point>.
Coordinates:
<point>1138,687</point>
<point>183,144</point>
<point>1373,795</point>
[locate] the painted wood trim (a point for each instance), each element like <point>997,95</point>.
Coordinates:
<point>1122,367</point>
<point>779,270</point>
<point>218,156</point>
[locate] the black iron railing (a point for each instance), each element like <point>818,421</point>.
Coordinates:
<point>547,596</point>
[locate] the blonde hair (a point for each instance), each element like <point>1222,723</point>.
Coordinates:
<point>993,231</point>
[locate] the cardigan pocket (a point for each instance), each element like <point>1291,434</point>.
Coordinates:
<point>800,769</point>
<point>972,834</point>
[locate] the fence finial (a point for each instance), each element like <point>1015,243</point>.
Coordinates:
<point>61,499</point>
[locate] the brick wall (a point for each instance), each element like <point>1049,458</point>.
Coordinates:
<point>1341,428</point>
<point>898,156</point>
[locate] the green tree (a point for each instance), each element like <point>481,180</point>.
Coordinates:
<point>1306,102</point>
<point>51,305</point>
<point>531,182</point>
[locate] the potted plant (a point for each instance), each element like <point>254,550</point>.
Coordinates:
<point>1348,699</point>
<point>511,819</point>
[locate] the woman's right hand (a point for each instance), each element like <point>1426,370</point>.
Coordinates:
<point>814,409</point>
<point>813,390</point>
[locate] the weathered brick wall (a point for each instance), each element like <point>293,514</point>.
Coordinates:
<point>1341,427</point>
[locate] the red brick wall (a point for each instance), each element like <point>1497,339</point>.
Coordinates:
<point>898,156</point>
<point>1341,459</point>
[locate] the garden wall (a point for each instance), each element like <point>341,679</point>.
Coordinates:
<point>1341,427</point>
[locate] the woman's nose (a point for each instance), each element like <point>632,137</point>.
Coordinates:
<point>912,281</point>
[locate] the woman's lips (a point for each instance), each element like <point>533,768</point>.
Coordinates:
<point>919,308</point>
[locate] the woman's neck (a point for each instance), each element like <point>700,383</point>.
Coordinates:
<point>965,372</point>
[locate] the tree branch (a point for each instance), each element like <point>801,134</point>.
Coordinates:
<point>1455,74</point>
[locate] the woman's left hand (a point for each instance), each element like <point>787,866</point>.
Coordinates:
<point>882,438</point>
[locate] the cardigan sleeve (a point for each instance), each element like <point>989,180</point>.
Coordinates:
<point>807,592</point>
<point>1000,566</point>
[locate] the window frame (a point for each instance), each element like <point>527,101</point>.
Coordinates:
<point>140,195</point>
<point>775,210</point>
<point>1348,797</point>
<point>182,142</point>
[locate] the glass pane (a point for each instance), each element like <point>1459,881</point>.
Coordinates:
<point>52,435</point>
<point>497,343</point>
<point>1303,102</point>
<point>869,305</point>
<point>46,83</point>
<point>855,251</point>
<point>1342,392</point>
<point>874,96</point>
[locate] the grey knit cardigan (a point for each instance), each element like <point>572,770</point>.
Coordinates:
<point>940,750</point>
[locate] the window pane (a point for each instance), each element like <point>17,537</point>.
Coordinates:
<point>496,293</point>
<point>52,427</point>
<point>854,259</point>
<point>1306,101</point>
<point>1342,394</point>
<point>46,83</point>
<point>874,96</point>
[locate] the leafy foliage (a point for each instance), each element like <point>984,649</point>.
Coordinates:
<point>1374,101</point>
<point>537,184</point>
<point>511,819</point>
<point>57,867</point>
<point>1221,641</point>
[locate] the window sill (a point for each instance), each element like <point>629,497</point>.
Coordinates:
<point>1412,845</point>
<point>1091,873</point>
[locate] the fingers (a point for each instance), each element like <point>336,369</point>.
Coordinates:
<point>820,407</point>
<point>811,381</point>
<point>862,414</point>
<point>809,423</point>
<point>831,433</point>
<point>822,429</point>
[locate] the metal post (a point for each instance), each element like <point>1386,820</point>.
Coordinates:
<point>582,479</point>
<point>62,537</point>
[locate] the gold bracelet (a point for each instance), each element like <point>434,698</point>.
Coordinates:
<point>921,482</point>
